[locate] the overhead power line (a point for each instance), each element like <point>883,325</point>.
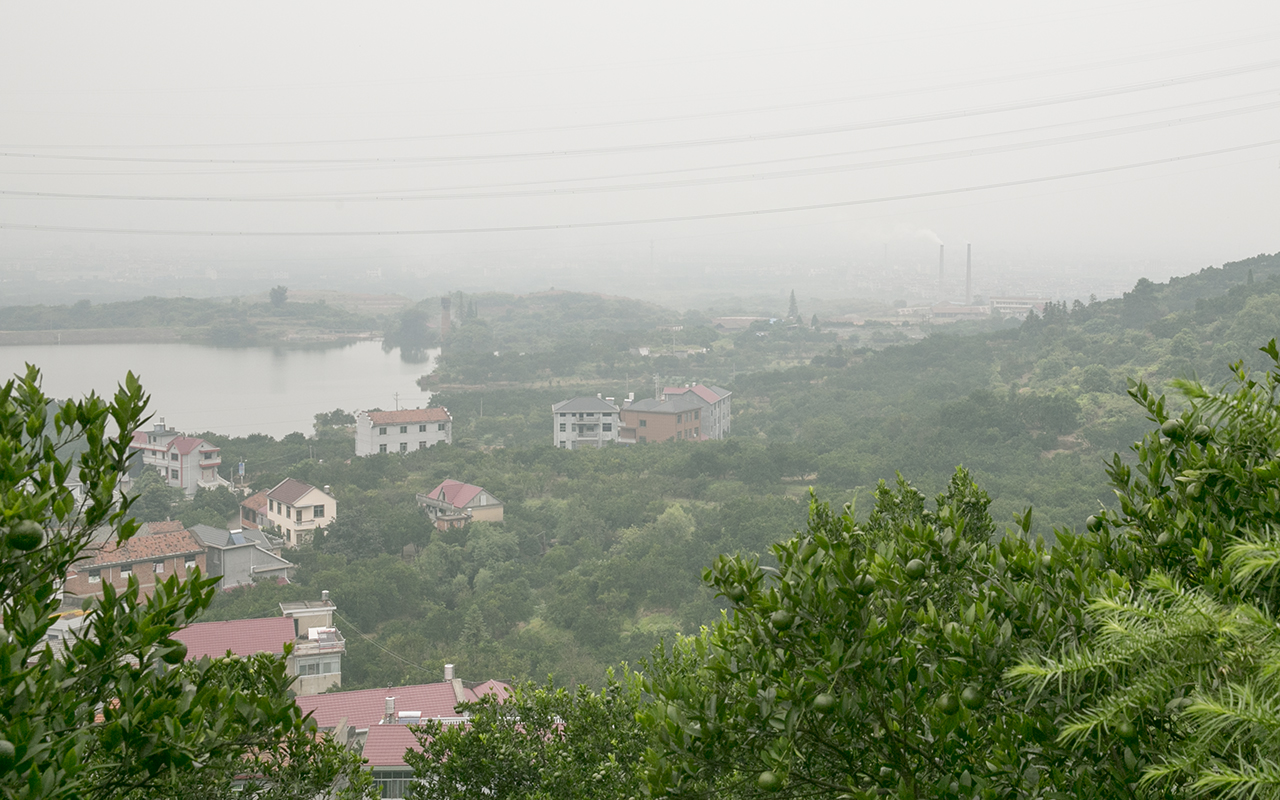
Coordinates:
<point>364,197</point>
<point>642,221</point>
<point>1003,78</point>
<point>688,143</point>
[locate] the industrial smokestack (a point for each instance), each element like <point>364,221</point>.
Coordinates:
<point>445,302</point>
<point>942,249</point>
<point>968,274</point>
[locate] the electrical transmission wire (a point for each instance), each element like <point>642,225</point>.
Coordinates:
<point>365,197</point>
<point>997,108</point>
<point>931,89</point>
<point>642,221</point>
<point>347,622</point>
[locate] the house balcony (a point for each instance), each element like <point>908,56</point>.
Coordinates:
<point>329,640</point>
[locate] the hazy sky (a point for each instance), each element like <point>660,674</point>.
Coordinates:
<point>1110,133</point>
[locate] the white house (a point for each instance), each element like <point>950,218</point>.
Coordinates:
<point>296,509</point>
<point>584,422</point>
<point>185,462</point>
<point>402,431</point>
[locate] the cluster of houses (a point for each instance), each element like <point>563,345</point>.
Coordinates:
<point>693,412</point>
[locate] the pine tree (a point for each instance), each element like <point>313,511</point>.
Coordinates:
<point>793,311</point>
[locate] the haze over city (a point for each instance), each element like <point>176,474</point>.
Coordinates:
<point>833,147</point>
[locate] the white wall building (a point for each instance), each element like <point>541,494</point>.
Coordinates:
<point>296,509</point>
<point>584,422</point>
<point>402,431</point>
<point>185,462</point>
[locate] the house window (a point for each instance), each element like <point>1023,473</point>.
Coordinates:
<point>309,669</point>
<point>422,445</point>
<point>157,567</point>
<point>404,428</point>
<point>697,415</point>
<point>382,448</point>
<point>95,576</point>
<point>382,431</point>
<point>440,427</point>
<point>173,473</point>
<point>562,427</point>
<point>679,434</point>
<point>641,440</point>
<point>317,512</point>
<point>404,447</point>
<point>329,667</point>
<point>190,563</point>
<point>607,427</point>
<point>644,423</point>
<point>173,456</point>
<point>299,515</point>
<point>422,428</point>
<point>678,420</point>
<point>126,570</point>
<point>695,432</point>
<point>606,415</point>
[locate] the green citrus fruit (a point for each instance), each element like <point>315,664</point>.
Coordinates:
<point>1202,432</point>
<point>915,569</point>
<point>948,704</point>
<point>971,697</point>
<point>737,593</point>
<point>1165,539</point>
<point>1172,428</point>
<point>8,755</point>
<point>824,703</point>
<point>1126,730</point>
<point>782,620</point>
<point>1093,523</point>
<point>769,781</point>
<point>175,654</point>
<point>865,584</point>
<point>25,535</point>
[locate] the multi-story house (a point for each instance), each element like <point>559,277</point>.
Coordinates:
<point>402,431</point>
<point>238,558</point>
<point>453,504</point>
<point>379,722</point>
<point>185,462</point>
<point>148,557</point>
<point>584,422</point>
<point>650,420</point>
<point>715,414</point>
<point>318,647</point>
<point>296,509</point>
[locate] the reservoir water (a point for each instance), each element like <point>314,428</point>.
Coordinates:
<point>232,391</point>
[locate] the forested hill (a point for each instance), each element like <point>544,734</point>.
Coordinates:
<point>602,551</point>
<point>1032,411</point>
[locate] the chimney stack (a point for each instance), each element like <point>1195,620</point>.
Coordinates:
<point>445,302</point>
<point>968,273</point>
<point>941,253</point>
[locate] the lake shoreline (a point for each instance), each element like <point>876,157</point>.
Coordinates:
<point>161,335</point>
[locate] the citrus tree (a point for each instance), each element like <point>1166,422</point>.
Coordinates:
<point>538,743</point>
<point>871,662</point>
<point>114,711</point>
<point>1183,665</point>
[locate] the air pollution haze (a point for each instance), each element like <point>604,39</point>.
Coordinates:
<point>504,146</point>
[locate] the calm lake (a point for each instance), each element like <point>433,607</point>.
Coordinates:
<point>232,391</point>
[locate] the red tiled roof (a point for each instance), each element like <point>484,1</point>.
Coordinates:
<point>385,745</point>
<point>491,687</point>
<point>364,708</point>
<point>244,637</point>
<point>407,415</point>
<point>705,392</point>
<point>256,502</point>
<point>455,493</point>
<point>185,444</point>
<point>170,526</point>
<point>145,548</point>
<point>289,491</point>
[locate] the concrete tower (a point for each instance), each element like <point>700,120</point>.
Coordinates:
<point>445,302</point>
